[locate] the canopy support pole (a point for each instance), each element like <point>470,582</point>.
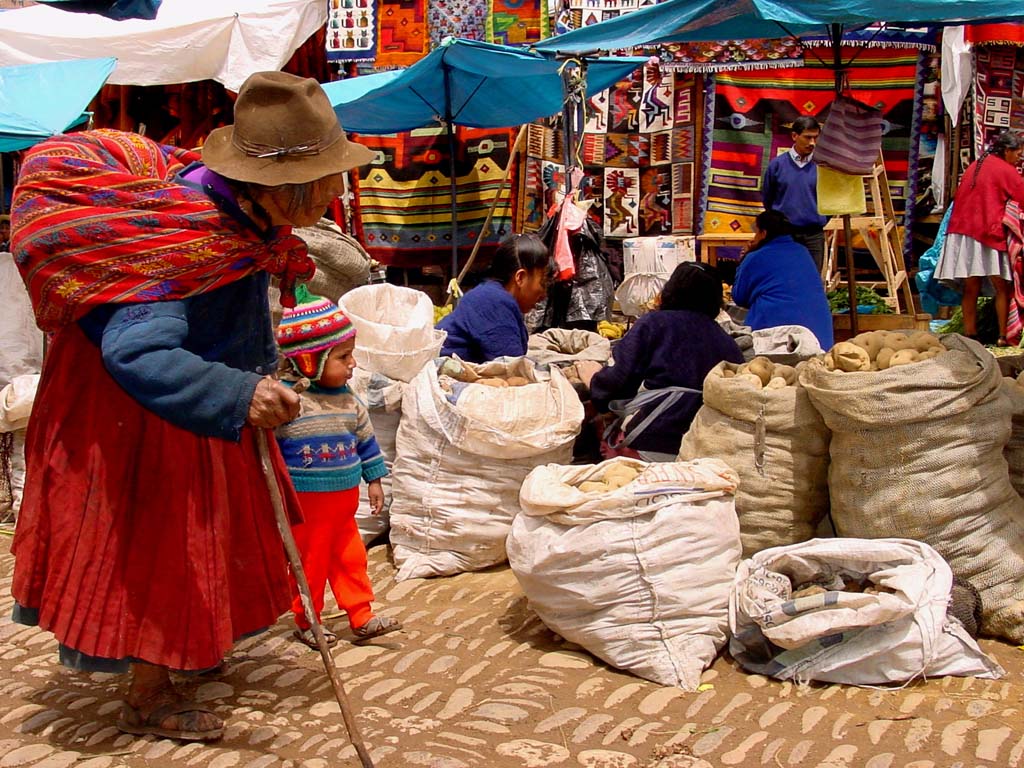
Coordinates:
<point>450,130</point>
<point>836,33</point>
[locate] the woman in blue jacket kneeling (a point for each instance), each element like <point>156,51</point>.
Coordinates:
<point>488,322</point>
<point>778,281</point>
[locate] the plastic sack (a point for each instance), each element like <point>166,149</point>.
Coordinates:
<point>892,631</point>
<point>639,576</point>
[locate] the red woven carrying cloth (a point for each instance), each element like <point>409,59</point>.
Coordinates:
<point>97,219</point>
<point>1015,247</point>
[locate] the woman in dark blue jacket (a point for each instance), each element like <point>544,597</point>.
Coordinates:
<point>671,350</point>
<point>778,281</point>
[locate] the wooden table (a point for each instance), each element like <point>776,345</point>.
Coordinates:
<point>709,244</point>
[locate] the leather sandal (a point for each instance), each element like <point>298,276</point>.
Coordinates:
<point>307,637</point>
<point>133,720</point>
<point>377,626</point>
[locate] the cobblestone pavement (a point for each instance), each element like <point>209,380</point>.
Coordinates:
<point>477,680</point>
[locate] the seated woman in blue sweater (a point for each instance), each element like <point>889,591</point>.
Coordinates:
<point>488,321</point>
<point>660,364</point>
<point>778,281</point>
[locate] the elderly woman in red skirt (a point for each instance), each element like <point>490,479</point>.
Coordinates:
<point>147,539</point>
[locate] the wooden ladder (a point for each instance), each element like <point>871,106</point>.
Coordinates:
<point>882,236</point>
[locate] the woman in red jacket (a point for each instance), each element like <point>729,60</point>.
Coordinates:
<point>975,246</point>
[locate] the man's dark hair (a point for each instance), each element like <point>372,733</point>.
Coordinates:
<point>805,123</point>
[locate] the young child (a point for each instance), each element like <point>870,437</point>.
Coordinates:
<point>328,448</point>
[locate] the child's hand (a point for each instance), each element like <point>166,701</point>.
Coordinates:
<point>375,494</point>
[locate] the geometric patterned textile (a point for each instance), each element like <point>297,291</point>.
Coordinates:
<point>456,18</point>
<point>517,22</point>
<point>351,30</point>
<point>404,203</point>
<point>1000,92</point>
<point>753,111</point>
<point>401,32</point>
<point>638,153</point>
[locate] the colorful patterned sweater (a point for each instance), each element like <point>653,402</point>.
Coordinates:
<point>330,446</point>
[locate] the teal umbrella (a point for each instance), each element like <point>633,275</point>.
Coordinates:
<point>466,82</point>
<point>112,9</point>
<point>41,100</point>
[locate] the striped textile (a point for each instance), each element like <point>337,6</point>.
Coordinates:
<point>752,112</point>
<point>98,219</point>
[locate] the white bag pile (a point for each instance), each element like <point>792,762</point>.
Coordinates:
<point>891,627</point>
<point>917,451</point>
<point>638,575</point>
<point>459,466</point>
<point>395,334</point>
<point>383,400</point>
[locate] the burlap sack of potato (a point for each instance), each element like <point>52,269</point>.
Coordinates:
<point>1014,451</point>
<point>638,575</point>
<point>777,443</point>
<point>917,452</point>
<point>458,467</point>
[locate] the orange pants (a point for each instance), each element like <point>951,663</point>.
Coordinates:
<point>332,551</point>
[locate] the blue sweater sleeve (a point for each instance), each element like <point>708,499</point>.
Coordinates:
<point>142,350</point>
<point>743,285</point>
<point>623,380</point>
<point>769,187</point>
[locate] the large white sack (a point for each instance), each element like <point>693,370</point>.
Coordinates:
<point>395,334</point>
<point>559,346</point>
<point>777,443</point>
<point>854,638</point>
<point>917,451</point>
<point>458,467</point>
<point>21,342</point>
<point>786,340</point>
<point>383,400</point>
<point>639,576</point>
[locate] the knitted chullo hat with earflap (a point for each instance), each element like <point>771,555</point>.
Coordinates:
<point>309,330</point>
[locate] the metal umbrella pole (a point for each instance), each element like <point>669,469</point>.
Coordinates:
<point>450,130</point>
<point>295,561</point>
<point>836,33</point>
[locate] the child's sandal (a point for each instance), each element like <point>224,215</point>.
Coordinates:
<point>307,637</point>
<point>377,626</point>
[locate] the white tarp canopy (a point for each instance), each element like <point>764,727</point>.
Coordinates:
<point>223,40</point>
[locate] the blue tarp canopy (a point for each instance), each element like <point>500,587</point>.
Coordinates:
<point>112,9</point>
<point>703,20</point>
<point>487,86</point>
<point>41,100</point>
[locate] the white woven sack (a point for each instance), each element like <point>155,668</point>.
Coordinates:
<point>786,339</point>
<point>918,451</point>
<point>458,468</point>
<point>854,638</point>
<point>777,443</point>
<point>395,334</point>
<point>557,346</point>
<point>1014,451</point>
<point>383,400</point>
<point>640,576</point>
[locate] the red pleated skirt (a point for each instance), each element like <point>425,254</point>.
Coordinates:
<point>137,539</point>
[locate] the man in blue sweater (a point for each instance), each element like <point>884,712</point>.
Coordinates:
<point>791,187</point>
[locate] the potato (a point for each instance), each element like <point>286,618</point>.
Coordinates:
<point>619,475</point>
<point>929,354</point>
<point>884,358</point>
<point>1020,378</point>
<point>903,357</point>
<point>830,362</point>
<point>850,357</point>
<point>897,341</point>
<point>786,372</point>
<point>728,373</point>
<point>776,383</point>
<point>761,367</point>
<point>923,341</point>
<point>518,381</point>
<point>593,486</point>
<point>493,382</point>
<point>754,381</point>
<point>871,342</point>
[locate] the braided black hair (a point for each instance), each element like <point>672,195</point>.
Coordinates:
<point>1004,141</point>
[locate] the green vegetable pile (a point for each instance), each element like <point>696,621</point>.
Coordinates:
<point>988,325</point>
<point>839,300</point>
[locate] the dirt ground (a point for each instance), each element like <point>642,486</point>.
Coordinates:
<point>475,679</point>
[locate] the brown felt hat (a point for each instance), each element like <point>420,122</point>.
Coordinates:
<point>285,132</point>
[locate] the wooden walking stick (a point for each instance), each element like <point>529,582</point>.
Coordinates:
<point>295,560</point>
